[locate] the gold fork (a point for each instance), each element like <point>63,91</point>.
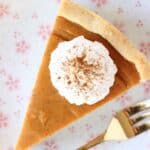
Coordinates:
<point>133,120</point>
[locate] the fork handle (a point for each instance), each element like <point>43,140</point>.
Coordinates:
<point>126,124</point>
<point>99,139</point>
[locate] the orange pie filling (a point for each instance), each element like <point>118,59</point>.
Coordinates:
<point>82,71</point>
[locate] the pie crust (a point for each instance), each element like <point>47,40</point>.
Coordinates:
<point>48,112</point>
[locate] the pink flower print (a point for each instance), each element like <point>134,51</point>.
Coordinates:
<point>138,4</point>
<point>88,126</point>
<point>44,31</point>
<point>120,10</point>
<point>10,148</point>
<point>22,46</point>
<point>139,24</point>
<point>120,26</point>
<point>28,97</point>
<point>16,34</point>
<point>148,146</point>
<point>125,100</point>
<point>113,112</point>
<point>2,102</point>
<point>34,16</point>
<point>50,145</point>
<point>146,87</point>
<point>16,16</point>
<point>19,99</point>
<point>103,117</point>
<point>72,129</point>
<point>145,47</point>
<point>3,72</point>
<point>3,120</point>
<point>4,10</point>
<point>58,1</point>
<point>147,33</point>
<point>12,83</point>
<point>17,114</point>
<point>99,3</point>
<point>25,62</point>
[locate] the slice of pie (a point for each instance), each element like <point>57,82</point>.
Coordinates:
<point>48,111</point>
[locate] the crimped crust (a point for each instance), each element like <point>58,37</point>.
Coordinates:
<point>97,24</point>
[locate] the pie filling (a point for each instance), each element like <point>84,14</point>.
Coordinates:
<point>82,71</point>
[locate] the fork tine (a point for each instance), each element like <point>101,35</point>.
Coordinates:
<point>135,109</point>
<point>141,106</point>
<point>145,102</point>
<point>139,119</point>
<point>141,128</point>
<point>135,117</point>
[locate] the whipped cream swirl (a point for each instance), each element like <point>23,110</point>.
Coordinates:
<point>82,71</point>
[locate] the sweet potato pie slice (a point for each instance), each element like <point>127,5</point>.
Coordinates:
<point>48,112</point>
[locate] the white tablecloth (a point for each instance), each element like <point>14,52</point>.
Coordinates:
<point>25,26</point>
